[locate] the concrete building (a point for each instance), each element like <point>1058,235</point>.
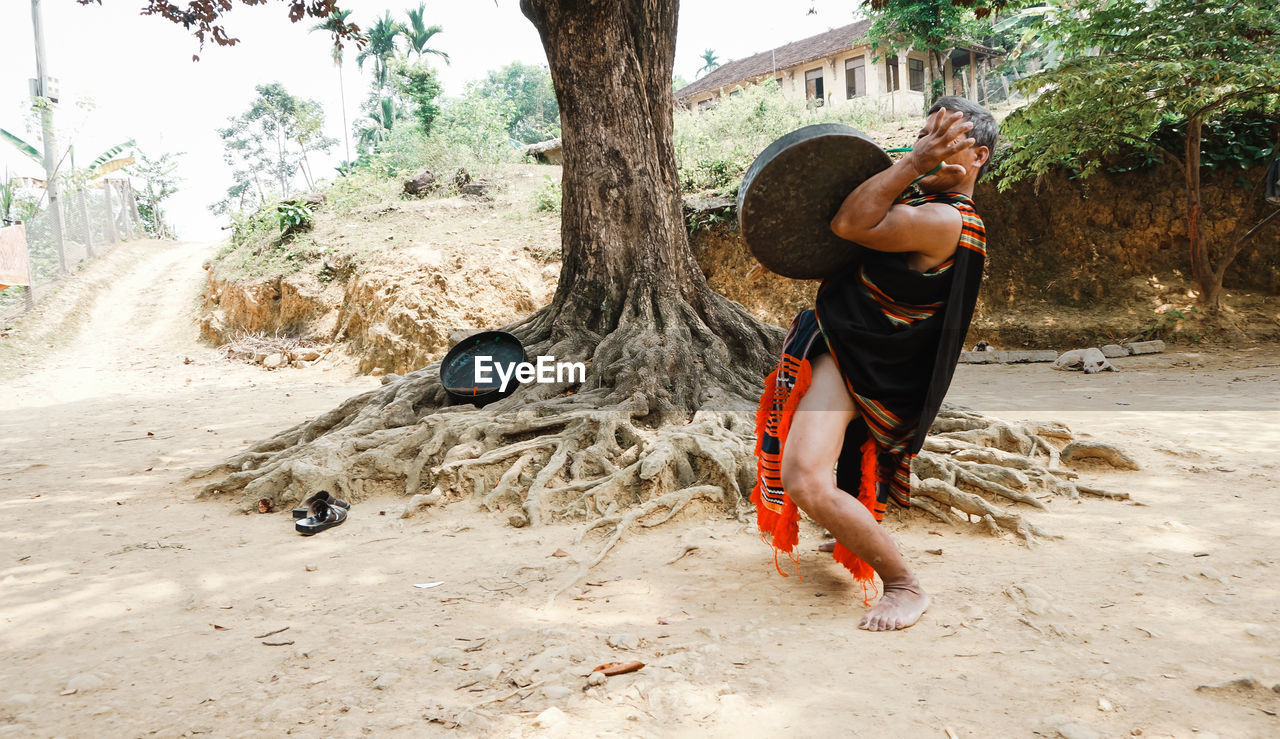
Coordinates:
<point>840,68</point>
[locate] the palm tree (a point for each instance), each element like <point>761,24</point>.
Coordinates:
<point>382,46</point>
<point>710,62</point>
<point>419,34</point>
<point>331,25</point>
<point>379,123</point>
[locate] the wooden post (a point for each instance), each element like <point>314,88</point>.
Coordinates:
<point>133,208</point>
<point>126,209</point>
<point>29,291</point>
<point>973,76</point>
<point>112,236</point>
<point>88,227</point>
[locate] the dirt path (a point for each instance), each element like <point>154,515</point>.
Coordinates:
<point>153,607</point>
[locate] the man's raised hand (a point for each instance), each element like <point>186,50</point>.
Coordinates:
<point>945,134</point>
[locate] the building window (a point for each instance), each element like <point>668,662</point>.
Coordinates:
<point>707,104</point>
<point>915,74</point>
<point>813,86</point>
<point>779,81</point>
<point>891,74</point>
<point>855,76</point>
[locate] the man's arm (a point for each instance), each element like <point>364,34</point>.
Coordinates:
<point>868,215</point>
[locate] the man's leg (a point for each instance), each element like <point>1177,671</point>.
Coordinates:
<point>813,446</point>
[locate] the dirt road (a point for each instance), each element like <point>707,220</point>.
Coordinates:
<point>127,608</point>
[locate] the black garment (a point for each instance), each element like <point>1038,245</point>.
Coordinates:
<point>896,335</point>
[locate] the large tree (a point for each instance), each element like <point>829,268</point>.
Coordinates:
<point>1131,66</point>
<point>631,301</point>
<point>710,63</point>
<point>160,182</point>
<point>416,82</point>
<point>273,138</point>
<point>334,25</point>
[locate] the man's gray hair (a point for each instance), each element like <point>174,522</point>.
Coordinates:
<point>985,132</point>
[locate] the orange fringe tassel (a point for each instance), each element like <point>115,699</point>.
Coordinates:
<point>782,527</point>
<point>863,572</point>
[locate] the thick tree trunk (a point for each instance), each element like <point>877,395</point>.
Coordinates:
<point>630,289</point>
<point>621,224</point>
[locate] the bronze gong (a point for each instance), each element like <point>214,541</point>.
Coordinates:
<point>793,189</point>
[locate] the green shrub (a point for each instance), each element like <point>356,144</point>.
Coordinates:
<point>293,217</point>
<point>1238,141</point>
<point>470,133</point>
<point>252,227</point>
<point>548,196</point>
<point>262,243</point>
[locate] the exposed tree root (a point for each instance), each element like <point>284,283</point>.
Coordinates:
<point>618,461</point>
<point>672,502</point>
<point>969,459</point>
<point>1092,450</point>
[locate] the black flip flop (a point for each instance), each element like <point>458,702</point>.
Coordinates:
<point>324,495</point>
<point>323,515</point>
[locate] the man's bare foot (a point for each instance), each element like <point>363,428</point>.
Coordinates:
<point>900,606</point>
<point>827,546</point>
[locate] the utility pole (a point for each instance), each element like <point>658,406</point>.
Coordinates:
<point>45,103</point>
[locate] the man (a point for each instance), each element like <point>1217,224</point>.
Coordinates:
<point>864,373</point>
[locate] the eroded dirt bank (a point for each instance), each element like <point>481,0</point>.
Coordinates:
<point>390,281</point>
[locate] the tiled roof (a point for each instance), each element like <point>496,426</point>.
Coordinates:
<point>789,55</point>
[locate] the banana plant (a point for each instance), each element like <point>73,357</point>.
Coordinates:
<point>22,146</point>
<point>1026,26</point>
<point>102,165</point>
<point>107,168</point>
<point>109,156</point>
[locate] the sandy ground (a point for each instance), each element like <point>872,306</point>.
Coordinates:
<point>129,609</point>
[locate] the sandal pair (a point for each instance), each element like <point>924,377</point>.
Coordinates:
<point>323,511</point>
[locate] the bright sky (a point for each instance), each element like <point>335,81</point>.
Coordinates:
<point>138,73</point>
